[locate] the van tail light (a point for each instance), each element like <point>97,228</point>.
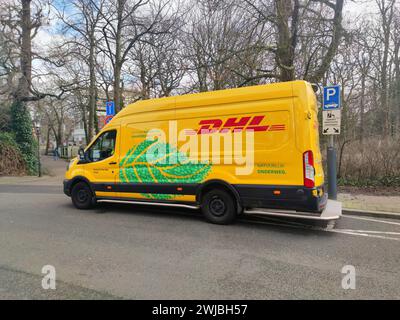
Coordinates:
<point>309,171</point>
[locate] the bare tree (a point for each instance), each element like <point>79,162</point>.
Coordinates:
<point>125,22</point>
<point>386,11</point>
<point>290,20</point>
<point>84,23</point>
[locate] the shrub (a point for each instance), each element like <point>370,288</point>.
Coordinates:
<point>21,125</point>
<point>12,162</point>
<point>376,163</point>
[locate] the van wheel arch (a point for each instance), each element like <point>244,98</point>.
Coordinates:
<point>221,185</point>
<point>78,179</point>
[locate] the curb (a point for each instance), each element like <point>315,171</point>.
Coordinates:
<point>370,213</point>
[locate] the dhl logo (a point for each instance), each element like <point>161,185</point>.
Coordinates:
<point>246,123</point>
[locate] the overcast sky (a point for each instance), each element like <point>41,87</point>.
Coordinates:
<point>353,8</point>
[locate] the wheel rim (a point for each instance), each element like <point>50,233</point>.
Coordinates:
<point>82,196</point>
<point>217,206</point>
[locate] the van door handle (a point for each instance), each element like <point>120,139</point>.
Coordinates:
<point>112,163</point>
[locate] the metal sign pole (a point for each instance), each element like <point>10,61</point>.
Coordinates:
<point>331,126</point>
<point>332,171</point>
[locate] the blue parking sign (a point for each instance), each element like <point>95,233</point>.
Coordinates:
<point>110,108</point>
<point>331,98</point>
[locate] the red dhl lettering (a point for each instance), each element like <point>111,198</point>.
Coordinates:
<point>247,123</point>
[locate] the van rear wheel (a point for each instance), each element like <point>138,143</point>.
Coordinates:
<point>218,207</point>
<point>82,196</point>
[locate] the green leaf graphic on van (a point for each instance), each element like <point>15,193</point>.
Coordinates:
<point>158,162</point>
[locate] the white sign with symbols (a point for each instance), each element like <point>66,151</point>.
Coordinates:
<point>331,122</point>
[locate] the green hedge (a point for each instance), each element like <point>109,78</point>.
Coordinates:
<point>386,181</point>
<point>21,125</point>
<point>7,138</point>
<point>12,162</point>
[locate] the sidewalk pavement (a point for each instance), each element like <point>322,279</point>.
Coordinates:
<point>370,202</point>
<point>372,205</point>
<point>53,174</point>
<point>352,203</point>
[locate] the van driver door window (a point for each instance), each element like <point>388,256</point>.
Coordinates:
<point>103,161</point>
<point>104,147</point>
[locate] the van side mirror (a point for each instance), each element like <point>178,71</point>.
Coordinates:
<point>315,87</point>
<point>82,155</point>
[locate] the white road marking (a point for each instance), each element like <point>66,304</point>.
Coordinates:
<point>372,231</point>
<point>372,220</point>
<point>360,233</point>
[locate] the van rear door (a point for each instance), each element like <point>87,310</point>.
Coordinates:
<point>314,138</point>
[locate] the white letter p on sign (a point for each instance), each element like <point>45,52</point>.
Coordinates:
<point>330,92</point>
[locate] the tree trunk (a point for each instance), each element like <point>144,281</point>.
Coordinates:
<point>95,117</point>
<point>117,88</point>
<point>118,58</point>
<point>59,134</point>
<point>362,109</point>
<point>56,137</point>
<point>384,87</point>
<point>397,89</point>
<point>285,51</point>
<point>336,36</point>
<point>92,89</point>
<point>46,152</point>
<point>85,126</point>
<point>26,51</point>
<point>20,118</point>
<point>386,14</point>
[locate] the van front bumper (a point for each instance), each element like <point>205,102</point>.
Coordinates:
<point>67,187</point>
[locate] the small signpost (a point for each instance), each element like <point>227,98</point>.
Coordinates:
<point>331,111</point>
<point>110,111</point>
<point>331,120</point>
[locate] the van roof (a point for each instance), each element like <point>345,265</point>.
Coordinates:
<point>251,93</point>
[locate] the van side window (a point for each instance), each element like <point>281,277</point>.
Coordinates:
<point>103,147</point>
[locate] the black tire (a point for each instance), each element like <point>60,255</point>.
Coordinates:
<point>82,196</point>
<point>219,207</point>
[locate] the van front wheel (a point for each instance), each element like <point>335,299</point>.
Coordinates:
<point>219,207</point>
<point>82,196</point>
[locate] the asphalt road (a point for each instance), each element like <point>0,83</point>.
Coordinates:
<point>139,252</point>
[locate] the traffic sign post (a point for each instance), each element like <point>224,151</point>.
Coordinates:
<point>110,111</point>
<point>332,171</point>
<point>331,120</point>
<point>331,98</point>
<point>110,108</point>
<point>107,119</point>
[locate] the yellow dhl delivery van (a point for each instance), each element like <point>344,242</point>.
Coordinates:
<point>225,151</point>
